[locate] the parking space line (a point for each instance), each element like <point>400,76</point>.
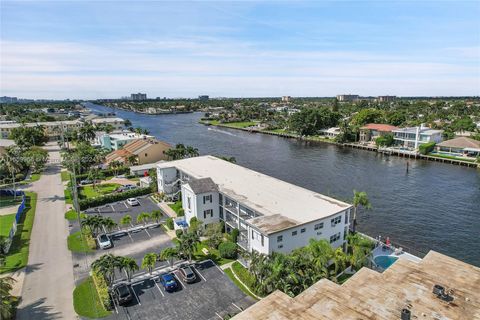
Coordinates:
<point>125,204</point>
<point>147,232</point>
<point>218,267</point>
<point>138,300</point>
<point>113,209</point>
<point>159,289</point>
<point>115,305</point>
<point>178,278</point>
<point>130,236</point>
<point>237,306</point>
<point>219,316</point>
<point>196,270</point>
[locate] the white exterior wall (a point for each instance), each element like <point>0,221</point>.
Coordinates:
<point>255,243</point>
<point>197,207</point>
<point>290,242</point>
<point>168,175</point>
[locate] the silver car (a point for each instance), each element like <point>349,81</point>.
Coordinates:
<point>104,241</point>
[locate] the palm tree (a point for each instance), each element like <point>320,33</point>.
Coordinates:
<point>132,160</point>
<point>94,223</point>
<point>130,266</point>
<point>168,254</point>
<point>149,261</point>
<point>11,160</point>
<point>191,152</point>
<point>187,244</point>
<point>7,301</point>
<point>156,215</point>
<point>115,166</point>
<point>108,224</point>
<point>359,199</point>
<point>339,259</point>
<point>126,220</point>
<point>358,248</point>
<point>86,133</point>
<point>106,266</point>
<point>143,218</point>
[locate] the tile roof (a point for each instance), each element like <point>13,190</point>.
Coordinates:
<point>379,127</point>
<point>460,142</point>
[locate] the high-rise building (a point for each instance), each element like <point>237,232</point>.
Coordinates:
<point>8,99</point>
<point>347,97</point>
<point>138,96</point>
<point>203,98</point>
<point>286,98</point>
<point>386,98</point>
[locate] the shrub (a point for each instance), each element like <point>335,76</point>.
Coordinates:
<point>102,289</point>
<point>98,201</point>
<point>181,212</point>
<point>170,223</point>
<point>228,250</point>
<point>19,176</point>
<point>178,233</point>
<point>234,235</point>
<point>426,148</point>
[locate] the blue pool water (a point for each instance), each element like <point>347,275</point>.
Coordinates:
<point>384,261</point>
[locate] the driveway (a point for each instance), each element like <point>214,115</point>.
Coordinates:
<point>47,290</point>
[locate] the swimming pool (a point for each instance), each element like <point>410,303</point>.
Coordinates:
<point>384,261</point>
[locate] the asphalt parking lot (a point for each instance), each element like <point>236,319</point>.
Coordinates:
<point>119,209</point>
<point>212,296</point>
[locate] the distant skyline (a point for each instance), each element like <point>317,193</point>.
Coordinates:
<point>107,49</point>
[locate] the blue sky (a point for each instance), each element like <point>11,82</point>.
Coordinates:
<point>108,49</point>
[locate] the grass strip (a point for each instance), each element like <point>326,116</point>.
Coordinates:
<point>86,301</point>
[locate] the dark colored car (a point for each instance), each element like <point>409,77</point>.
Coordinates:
<point>187,274</point>
<point>168,282</point>
<point>123,294</point>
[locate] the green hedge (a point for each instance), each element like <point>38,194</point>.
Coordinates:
<point>102,289</point>
<point>228,250</point>
<point>170,223</point>
<point>95,202</point>
<point>426,148</point>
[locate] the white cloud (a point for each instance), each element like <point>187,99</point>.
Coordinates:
<point>192,66</point>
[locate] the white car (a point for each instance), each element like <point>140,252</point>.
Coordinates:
<point>104,241</point>
<point>133,202</point>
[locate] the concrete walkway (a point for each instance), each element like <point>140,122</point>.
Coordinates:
<point>49,283</point>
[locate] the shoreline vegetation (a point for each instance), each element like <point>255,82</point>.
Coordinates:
<point>246,126</point>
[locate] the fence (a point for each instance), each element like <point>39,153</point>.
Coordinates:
<point>18,216</point>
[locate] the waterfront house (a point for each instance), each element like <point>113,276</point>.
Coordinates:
<point>461,146</point>
<point>372,131</point>
<point>411,137</point>
<point>143,151</point>
<point>115,141</point>
<point>437,287</point>
<point>270,214</point>
<point>116,123</point>
<point>53,129</point>
<point>330,132</point>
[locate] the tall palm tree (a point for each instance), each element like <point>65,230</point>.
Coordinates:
<point>359,199</point>
<point>143,218</point>
<point>11,160</point>
<point>108,224</point>
<point>339,259</point>
<point>130,266</point>
<point>126,220</point>
<point>187,244</point>
<point>191,152</point>
<point>358,249</point>
<point>94,223</point>
<point>7,301</point>
<point>86,133</point>
<point>156,215</point>
<point>168,254</point>
<point>149,261</point>
<point>106,266</point>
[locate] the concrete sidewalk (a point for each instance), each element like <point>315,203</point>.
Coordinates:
<point>49,283</point>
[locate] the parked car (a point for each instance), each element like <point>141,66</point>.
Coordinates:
<point>129,187</point>
<point>168,282</point>
<point>86,181</point>
<point>133,202</point>
<point>123,294</point>
<point>187,274</point>
<point>104,241</point>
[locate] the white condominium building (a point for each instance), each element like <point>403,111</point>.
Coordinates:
<point>270,214</point>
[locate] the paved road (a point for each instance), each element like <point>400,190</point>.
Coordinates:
<point>47,290</point>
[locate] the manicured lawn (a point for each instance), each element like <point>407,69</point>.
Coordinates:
<point>277,131</point>
<point>68,196</point>
<point>229,273</point>
<point>7,201</point>
<point>243,274</point>
<point>446,156</point>
<point>6,222</point>
<point>65,175</point>
<point>77,243</point>
<point>86,301</point>
<point>213,254</point>
<point>86,192</point>
<point>18,255</point>
<point>176,206</point>
<point>34,177</point>
<point>72,215</point>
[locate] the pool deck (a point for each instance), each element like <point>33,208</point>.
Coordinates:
<point>383,250</point>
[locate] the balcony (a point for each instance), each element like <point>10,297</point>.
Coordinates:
<point>243,244</point>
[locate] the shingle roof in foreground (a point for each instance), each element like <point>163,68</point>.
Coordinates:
<point>372,295</point>
<point>461,142</point>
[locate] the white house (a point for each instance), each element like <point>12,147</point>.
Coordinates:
<point>270,214</point>
<point>412,137</point>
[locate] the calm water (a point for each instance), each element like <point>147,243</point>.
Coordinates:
<point>433,206</point>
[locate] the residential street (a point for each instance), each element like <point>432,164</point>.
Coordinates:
<point>47,290</point>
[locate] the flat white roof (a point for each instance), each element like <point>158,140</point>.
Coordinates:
<point>105,120</point>
<point>427,131</point>
<point>266,195</point>
<point>128,136</point>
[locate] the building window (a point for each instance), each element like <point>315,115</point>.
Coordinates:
<point>188,203</point>
<point>220,214</point>
<point>318,226</point>
<point>302,230</point>
<point>146,154</point>
<point>294,233</point>
<point>335,237</point>
<point>220,199</point>
<point>280,246</point>
<point>207,198</point>
<point>336,221</point>
<point>279,238</point>
<point>262,238</point>
<point>208,212</point>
